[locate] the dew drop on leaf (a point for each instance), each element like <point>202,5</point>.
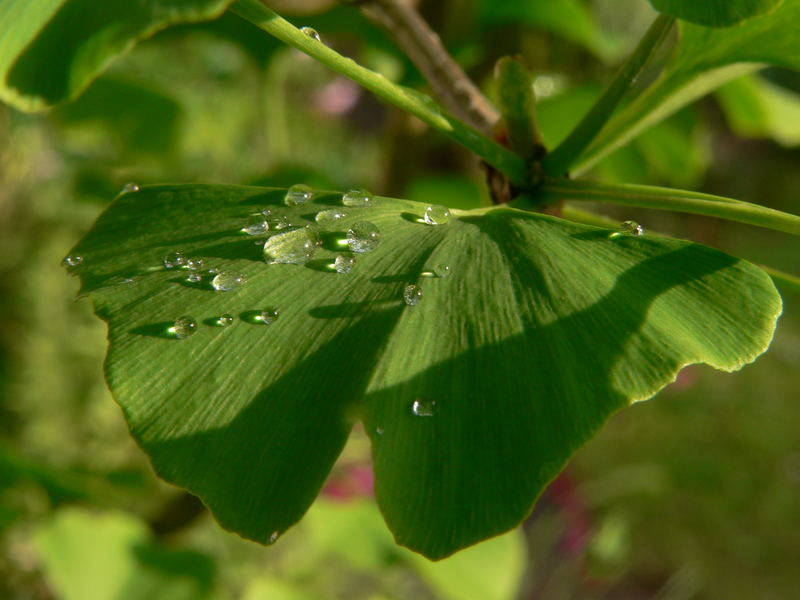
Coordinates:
<point>344,262</point>
<point>282,223</point>
<point>268,315</point>
<point>174,259</point>
<point>292,246</point>
<point>130,188</point>
<point>311,32</point>
<point>357,198</point>
<point>441,270</point>
<point>329,216</point>
<point>436,215</point>
<point>73,260</point>
<point>184,327</point>
<point>225,320</point>
<point>194,277</point>
<point>363,236</point>
<point>631,228</point>
<point>298,194</point>
<point>226,281</point>
<point>422,407</point>
<point>194,264</point>
<point>379,430</point>
<point>274,537</point>
<point>256,225</point>
<point>412,294</point>
<point>266,212</point>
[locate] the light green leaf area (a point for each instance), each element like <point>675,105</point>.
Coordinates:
<point>715,13</point>
<point>110,556</point>
<point>50,50</point>
<point>705,59</point>
<point>474,398</point>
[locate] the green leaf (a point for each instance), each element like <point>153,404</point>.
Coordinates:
<point>704,60</point>
<point>88,556</point>
<point>543,329</point>
<point>715,13</point>
<point>50,50</point>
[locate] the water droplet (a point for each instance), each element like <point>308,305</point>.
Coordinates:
<point>344,263</point>
<point>311,32</point>
<point>298,194</point>
<point>213,271</point>
<point>130,187</point>
<point>273,537</point>
<point>184,327</point>
<point>412,294</point>
<point>194,277</point>
<point>269,315</point>
<point>226,281</point>
<point>225,320</point>
<point>282,223</point>
<point>73,260</point>
<point>441,270</point>
<point>379,430</point>
<point>194,264</point>
<point>266,212</point>
<point>631,228</point>
<point>173,259</point>
<point>329,216</point>
<point>256,225</point>
<point>293,246</point>
<point>436,215</point>
<point>357,198</point>
<point>422,407</point>
<point>363,236</point>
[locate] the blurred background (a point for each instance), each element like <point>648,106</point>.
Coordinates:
<point>695,494</point>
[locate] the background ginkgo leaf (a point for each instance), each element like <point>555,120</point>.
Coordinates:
<point>474,398</point>
<point>52,49</point>
<point>716,13</point>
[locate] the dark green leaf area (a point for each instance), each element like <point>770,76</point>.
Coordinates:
<point>474,398</point>
<point>715,13</point>
<point>52,49</point>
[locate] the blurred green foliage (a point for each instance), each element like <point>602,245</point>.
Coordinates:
<point>691,495</point>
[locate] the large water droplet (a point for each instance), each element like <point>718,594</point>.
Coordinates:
<point>628,228</point>
<point>331,215</point>
<point>311,32</point>
<point>423,407</point>
<point>256,225</point>
<point>130,187</point>
<point>184,327</point>
<point>226,281</point>
<point>293,246</point>
<point>269,315</point>
<point>298,194</point>
<point>174,259</point>
<point>344,262</point>
<point>412,294</point>
<point>436,215</point>
<point>363,236</point>
<point>357,198</point>
<point>73,260</point>
<point>225,320</point>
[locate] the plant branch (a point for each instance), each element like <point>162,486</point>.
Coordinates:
<point>451,86</point>
<point>412,101</point>
<point>783,280</point>
<point>646,196</point>
<point>565,154</point>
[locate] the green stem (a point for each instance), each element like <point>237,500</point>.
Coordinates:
<point>518,107</point>
<point>416,103</point>
<point>783,280</point>
<point>559,160</point>
<point>646,196</point>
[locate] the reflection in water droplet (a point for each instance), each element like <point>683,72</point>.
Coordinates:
<point>131,187</point>
<point>173,259</point>
<point>256,225</point>
<point>227,281</point>
<point>73,260</point>
<point>225,320</point>
<point>311,32</point>
<point>282,223</point>
<point>344,262</point>
<point>194,264</point>
<point>630,228</point>
<point>273,537</point>
<point>292,246</point>
<point>298,194</point>
<point>194,277</point>
<point>329,216</point>
<point>363,236</point>
<point>269,315</point>
<point>357,198</point>
<point>412,294</point>
<point>184,327</point>
<point>436,215</point>
<point>422,407</point>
